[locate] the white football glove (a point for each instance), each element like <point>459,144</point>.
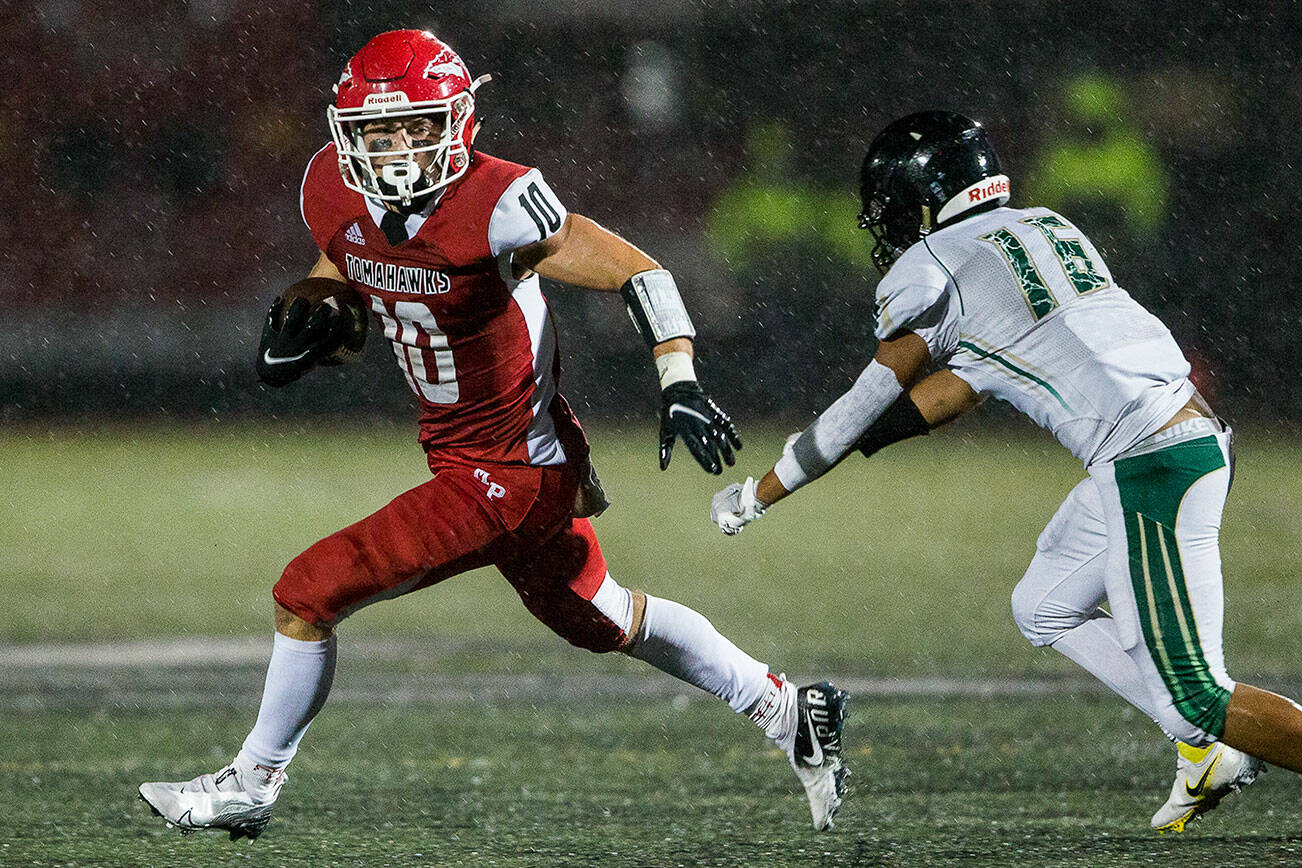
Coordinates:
<point>735,507</point>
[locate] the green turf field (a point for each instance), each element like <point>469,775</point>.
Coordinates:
<point>614,782</point>
<point>168,533</point>
<point>898,568</point>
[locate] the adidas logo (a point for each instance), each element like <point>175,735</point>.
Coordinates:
<point>354,234</point>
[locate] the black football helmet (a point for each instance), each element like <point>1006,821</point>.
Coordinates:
<point>921,172</point>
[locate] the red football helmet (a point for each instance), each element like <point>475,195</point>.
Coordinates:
<point>403,74</point>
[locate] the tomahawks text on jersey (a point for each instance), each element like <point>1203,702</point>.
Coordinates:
<point>477,347</point>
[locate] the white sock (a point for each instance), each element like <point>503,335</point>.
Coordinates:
<point>775,712</point>
<point>1096,645</point>
<point>682,642</point>
<point>298,682</point>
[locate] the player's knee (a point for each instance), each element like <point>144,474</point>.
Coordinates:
<point>600,636</point>
<point>1040,617</point>
<point>602,624</point>
<point>1036,615</point>
<point>1198,718</point>
<point>1025,602</point>
<point>586,624</point>
<point>300,593</point>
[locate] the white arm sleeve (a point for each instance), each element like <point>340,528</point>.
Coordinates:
<point>526,213</point>
<point>826,442</point>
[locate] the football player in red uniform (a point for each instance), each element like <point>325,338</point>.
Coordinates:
<point>445,246</point>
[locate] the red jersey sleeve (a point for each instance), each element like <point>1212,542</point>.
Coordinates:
<point>324,201</point>
<point>463,225</point>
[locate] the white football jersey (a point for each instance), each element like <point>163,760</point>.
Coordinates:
<point>1020,305</point>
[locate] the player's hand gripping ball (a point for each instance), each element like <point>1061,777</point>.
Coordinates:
<point>316,321</point>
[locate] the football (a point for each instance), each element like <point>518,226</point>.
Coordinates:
<point>322,290</point>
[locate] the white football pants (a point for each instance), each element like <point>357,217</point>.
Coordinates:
<point>1142,532</point>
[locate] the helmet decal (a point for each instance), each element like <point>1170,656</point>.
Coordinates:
<point>393,97</point>
<point>447,63</point>
<point>978,193</point>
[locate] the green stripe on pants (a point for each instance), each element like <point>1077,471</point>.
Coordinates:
<point>1152,487</point>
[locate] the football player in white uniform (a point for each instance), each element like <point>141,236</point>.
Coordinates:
<point>1017,303</point>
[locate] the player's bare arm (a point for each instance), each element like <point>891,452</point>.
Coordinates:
<point>584,253</point>
<point>943,397</point>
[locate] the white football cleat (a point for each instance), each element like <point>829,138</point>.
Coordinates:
<point>1204,776</point>
<point>239,802</point>
<point>816,753</point>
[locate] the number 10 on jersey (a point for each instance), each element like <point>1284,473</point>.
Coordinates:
<point>417,340</point>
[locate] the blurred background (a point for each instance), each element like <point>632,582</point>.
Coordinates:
<point>152,490</point>
<point>154,151</point>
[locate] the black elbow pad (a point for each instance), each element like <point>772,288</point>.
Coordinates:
<point>901,421</point>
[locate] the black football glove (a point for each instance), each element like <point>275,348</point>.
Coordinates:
<point>688,412</point>
<point>290,348</point>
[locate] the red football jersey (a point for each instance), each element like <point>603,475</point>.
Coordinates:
<point>478,347</point>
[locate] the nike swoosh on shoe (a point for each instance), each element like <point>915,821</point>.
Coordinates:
<point>275,360</point>
<point>815,758</point>
<point>1195,792</point>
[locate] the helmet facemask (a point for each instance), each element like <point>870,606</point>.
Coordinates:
<point>892,228</point>
<point>871,218</point>
<point>398,176</point>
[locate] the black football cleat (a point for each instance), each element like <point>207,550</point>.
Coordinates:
<point>816,754</point>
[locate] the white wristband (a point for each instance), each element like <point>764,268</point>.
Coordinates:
<point>675,367</point>
<point>789,472</point>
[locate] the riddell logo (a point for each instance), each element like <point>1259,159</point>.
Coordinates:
<point>396,96</point>
<point>997,187</point>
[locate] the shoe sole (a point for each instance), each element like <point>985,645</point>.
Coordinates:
<point>236,832</point>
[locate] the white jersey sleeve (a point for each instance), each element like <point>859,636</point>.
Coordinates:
<point>917,295</point>
<point>526,213</point>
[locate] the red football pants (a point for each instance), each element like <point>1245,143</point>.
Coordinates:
<point>515,518</point>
